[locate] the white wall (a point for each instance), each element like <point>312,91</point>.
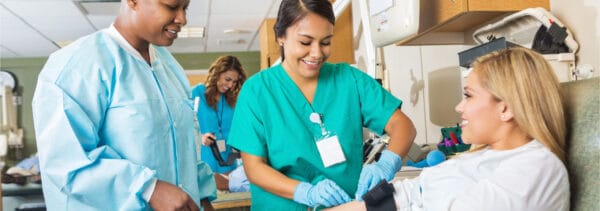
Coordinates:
<point>427,78</point>
<point>582,17</point>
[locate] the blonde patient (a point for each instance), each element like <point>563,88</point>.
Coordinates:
<point>512,108</point>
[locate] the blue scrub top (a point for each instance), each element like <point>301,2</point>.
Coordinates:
<point>272,121</point>
<point>108,125</point>
<point>217,122</point>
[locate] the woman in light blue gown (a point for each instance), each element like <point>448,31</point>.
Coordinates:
<point>114,121</point>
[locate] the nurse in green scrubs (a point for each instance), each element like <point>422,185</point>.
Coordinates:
<point>299,124</point>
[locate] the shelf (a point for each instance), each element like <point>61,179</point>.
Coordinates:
<point>447,21</point>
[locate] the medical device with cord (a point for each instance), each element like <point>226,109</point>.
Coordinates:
<point>384,22</point>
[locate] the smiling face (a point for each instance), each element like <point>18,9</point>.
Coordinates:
<point>480,113</point>
<point>159,21</point>
<point>307,45</point>
<point>227,81</point>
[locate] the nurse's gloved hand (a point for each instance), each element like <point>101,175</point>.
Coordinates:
<point>325,193</point>
<point>389,163</point>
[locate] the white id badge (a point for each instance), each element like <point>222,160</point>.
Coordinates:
<point>221,145</point>
<point>331,151</point>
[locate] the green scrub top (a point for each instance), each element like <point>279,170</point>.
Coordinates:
<point>272,121</point>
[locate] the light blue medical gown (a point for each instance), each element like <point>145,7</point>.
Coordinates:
<point>217,122</point>
<point>107,124</point>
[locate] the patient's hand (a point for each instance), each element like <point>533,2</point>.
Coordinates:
<point>353,206</point>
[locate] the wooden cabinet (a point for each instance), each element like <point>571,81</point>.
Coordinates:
<point>196,79</point>
<point>441,20</point>
<point>269,49</point>
<point>342,49</point>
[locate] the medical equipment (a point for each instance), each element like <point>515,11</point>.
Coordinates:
<point>451,143</point>
<point>385,22</point>
<point>533,28</point>
<point>468,56</point>
<point>11,136</point>
<point>434,157</point>
<point>372,148</point>
<point>392,20</point>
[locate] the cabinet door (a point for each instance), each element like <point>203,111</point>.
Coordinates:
<point>269,50</point>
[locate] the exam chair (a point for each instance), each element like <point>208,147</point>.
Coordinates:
<point>582,105</point>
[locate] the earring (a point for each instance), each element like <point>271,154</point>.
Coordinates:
<point>280,44</point>
<point>503,116</point>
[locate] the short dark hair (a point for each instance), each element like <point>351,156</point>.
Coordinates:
<point>290,11</point>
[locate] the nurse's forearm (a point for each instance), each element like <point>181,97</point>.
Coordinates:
<point>263,175</point>
<point>401,131</point>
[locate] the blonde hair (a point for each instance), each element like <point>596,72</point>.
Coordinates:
<point>525,81</point>
<point>218,67</point>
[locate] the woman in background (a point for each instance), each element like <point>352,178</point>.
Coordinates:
<point>217,98</point>
<point>513,108</point>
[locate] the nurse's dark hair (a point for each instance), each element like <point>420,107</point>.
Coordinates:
<point>218,67</point>
<point>291,11</point>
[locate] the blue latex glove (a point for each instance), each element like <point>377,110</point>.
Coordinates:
<point>325,193</point>
<point>389,163</point>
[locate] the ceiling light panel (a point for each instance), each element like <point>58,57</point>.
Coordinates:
<point>236,31</point>
<point>191,32</point>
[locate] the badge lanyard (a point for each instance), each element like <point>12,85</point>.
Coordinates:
<point>328,143</point>
<point>219,114</point>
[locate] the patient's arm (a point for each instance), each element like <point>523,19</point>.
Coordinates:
<point>353,206</point>
<point>381,196</point>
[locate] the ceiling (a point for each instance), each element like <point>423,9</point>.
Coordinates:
<point>36,28</point>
